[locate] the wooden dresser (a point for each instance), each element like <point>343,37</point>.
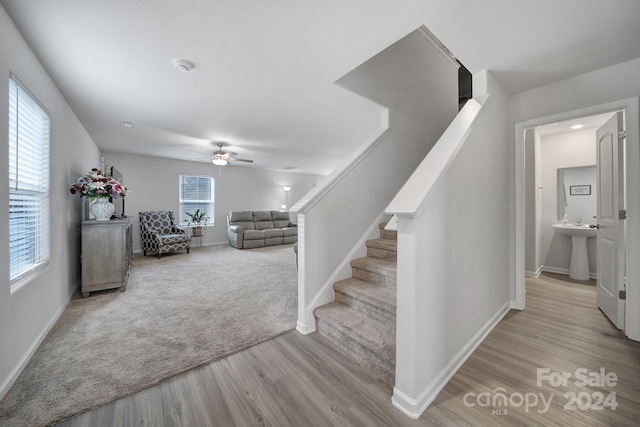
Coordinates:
<point>107,251</point>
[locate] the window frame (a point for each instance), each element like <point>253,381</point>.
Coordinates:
<point>29,198</point>
<point>183,220</point>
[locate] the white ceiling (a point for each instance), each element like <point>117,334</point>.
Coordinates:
<point>588,122</point>
<point>264,70</point>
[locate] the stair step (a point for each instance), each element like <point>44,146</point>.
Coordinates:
<point>383,249</point>
<point>374,270</point>
<point>362,320</point>
<point>368,340</point>
<point>374,301</point>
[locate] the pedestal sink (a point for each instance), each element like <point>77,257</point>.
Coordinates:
<point>579,266</point>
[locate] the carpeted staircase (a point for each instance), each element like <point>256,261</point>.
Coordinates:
<point>362,320</point>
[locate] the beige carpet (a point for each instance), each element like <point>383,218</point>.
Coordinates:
<point>177,313</point>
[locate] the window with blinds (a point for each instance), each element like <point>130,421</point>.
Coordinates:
<point>196,192</point>
<point>28,183</point>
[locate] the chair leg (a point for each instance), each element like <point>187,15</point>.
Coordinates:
<point>188,250</point>
<point>159,255</point>
<point>144,253</point>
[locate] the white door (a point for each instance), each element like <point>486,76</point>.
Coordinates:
<point>610,236</point>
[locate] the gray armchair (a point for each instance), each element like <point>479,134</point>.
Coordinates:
<point>159,233</point>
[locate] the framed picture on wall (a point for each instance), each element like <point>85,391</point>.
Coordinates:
<point>579,190</point>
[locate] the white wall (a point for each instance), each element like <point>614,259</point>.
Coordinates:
<point>598,87</point>
<point>153,182</point>
<point>563,150</point>
<point>453,259</point>
<point>27,314</point>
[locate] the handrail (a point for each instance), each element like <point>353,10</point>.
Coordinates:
<point>413,195</point>
<point>321,190</point>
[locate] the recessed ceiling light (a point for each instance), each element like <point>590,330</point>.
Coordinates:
<point>182,65</point>
<point>577,127</point>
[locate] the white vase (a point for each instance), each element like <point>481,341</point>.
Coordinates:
<point>102,209</point>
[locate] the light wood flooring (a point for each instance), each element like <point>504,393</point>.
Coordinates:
<point>296,380</point>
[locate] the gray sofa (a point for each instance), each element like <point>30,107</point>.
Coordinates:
<point>255,229</point>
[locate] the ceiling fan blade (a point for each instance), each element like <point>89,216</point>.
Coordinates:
<point>233,159</point>
<point>198,152</point>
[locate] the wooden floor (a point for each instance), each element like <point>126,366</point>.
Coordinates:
<point>296,380</point>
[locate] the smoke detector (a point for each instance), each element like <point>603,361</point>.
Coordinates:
<point>182,65</point>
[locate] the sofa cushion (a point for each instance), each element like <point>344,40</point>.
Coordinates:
<point>241,216</point>
<point>250,244</point>
<point>247,225</point>
<point>174,239</point>
<point>253,234</point>
<point>280,215</point>
<point>281,223</point>
<point>290,231</point>
<point>272,232</point>
<point>261,216</point>
<point>244,219</point>
<point>263,225</point>
<point>280,218</point>
<point>262,220</point>
<point>273,241</point>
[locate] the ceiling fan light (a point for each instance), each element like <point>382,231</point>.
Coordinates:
<point>220,161</point>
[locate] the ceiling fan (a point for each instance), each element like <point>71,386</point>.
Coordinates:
<point>222,158</point>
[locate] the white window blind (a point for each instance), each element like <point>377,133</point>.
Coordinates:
<point>28,183</point>
<point>196,192</point>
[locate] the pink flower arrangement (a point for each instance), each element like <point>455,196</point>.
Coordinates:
<point>98,184</point>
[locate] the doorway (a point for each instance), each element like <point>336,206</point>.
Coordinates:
<point>561,187</point>
<point>632,179</point>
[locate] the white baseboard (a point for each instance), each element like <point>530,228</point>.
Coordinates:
<point>304,329</point>
<point>564,271</point>
<point>557,270</point>
<point>534,274</point>
<point>414,407</point>
<point>17,370</point>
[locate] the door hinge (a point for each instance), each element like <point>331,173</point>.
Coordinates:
<point>622,134</point>
<point>622,294</point>
<point>622,214</point>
